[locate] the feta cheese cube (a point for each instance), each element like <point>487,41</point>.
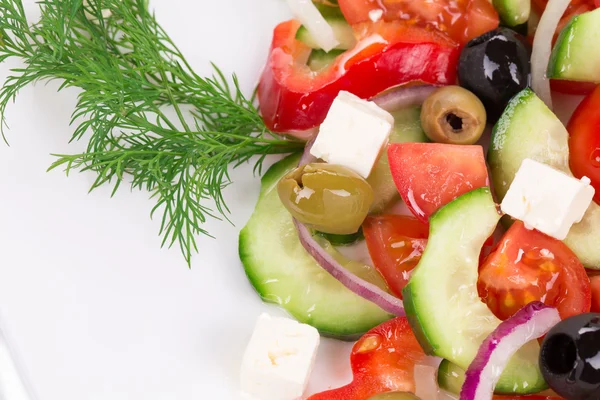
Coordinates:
<point>279,358</point>
<point>547,199</point>
<point>353,133</point>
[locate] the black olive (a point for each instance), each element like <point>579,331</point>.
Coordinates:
<point>495,66</point>
<point>570,357</point>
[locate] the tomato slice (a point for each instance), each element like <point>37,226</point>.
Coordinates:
<point>528,265</point>
<point>292,97</point>
<point>462,20</point>
<point>382,360</point>
<point>395,243</point>
<point>584,140</point>
<point>430,175</point>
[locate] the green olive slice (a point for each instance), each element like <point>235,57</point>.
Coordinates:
<point>453,115</point>
<point>326,197</point>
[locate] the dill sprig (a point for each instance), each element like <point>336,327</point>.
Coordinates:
<point>143,110</point>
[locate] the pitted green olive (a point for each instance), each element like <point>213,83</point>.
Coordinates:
<point>394,396</point>
<point>453,115</point>
<point>329,198</point>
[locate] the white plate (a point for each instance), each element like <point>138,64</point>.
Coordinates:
<point>92,306</point>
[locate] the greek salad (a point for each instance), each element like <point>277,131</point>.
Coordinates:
<point>431,147</point>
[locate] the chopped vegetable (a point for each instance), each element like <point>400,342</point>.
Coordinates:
<point>571,58</point>
<point>282,272</point>
<point>528,129</point>
<point>356,284</point>
<point>395,244</point>
<point>441,300</point>
<point>329,198</point>
<point>531,322</point>
<point>584,140</point>
<point>453,115</point>
<point>382,360</point>
<point>462,20</point>
<point>430,175</point>
<point>569,357</point>
<point>513,12</point>
<point>292,97</point>
<point>529,266</point>
<point>495,67</point>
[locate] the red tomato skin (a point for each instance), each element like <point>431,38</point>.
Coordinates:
<point>294,98</point>
<point>430,175</point>
<point>517,270</point>
<point>572,87</point>
<point>382,360</point>
<point>595,285</point>
<point>462,20</point>
<point>584,140</point>
<point>395,243</point>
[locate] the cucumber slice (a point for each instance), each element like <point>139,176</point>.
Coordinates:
<point>282,272</point>
<point>573,56</point>
<point>407,128</point>
<point>441,300</point>
<point>320,59</point>
<point>450,377</point>
<point>513,12</point>
<point>341,29</point>
<point>528,129</point>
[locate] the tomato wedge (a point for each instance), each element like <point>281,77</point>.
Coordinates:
<point>462,20</point>
<point>584,140</point>
<point>395,243</point>
<point>430,175</point>
<point>528,265</point>
<point>382,360</point>
<point>292,97</point>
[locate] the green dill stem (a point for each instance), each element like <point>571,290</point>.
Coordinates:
<point>129,72</point>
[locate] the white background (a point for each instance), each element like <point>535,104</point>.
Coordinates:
<point>91,304</point>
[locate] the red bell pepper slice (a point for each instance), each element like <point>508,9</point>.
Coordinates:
<point>294,98</point>
<point>382,360</point>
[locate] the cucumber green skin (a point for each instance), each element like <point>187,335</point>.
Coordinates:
<point>528,129</point>
<point>441,299</point>
<point>407,129</point>
<point>573,56</point>
<point>283,273</point>
<point>450,377</point>
<point>513,12</point>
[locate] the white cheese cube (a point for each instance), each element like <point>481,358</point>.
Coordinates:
<point>279,358</point>
<point>353,133</point>
<point>547,199</point>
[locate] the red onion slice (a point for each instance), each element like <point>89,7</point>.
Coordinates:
<point>364,289</point>
<point>403,96</point>
<point>542,48</point>
<point>531,322</point>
